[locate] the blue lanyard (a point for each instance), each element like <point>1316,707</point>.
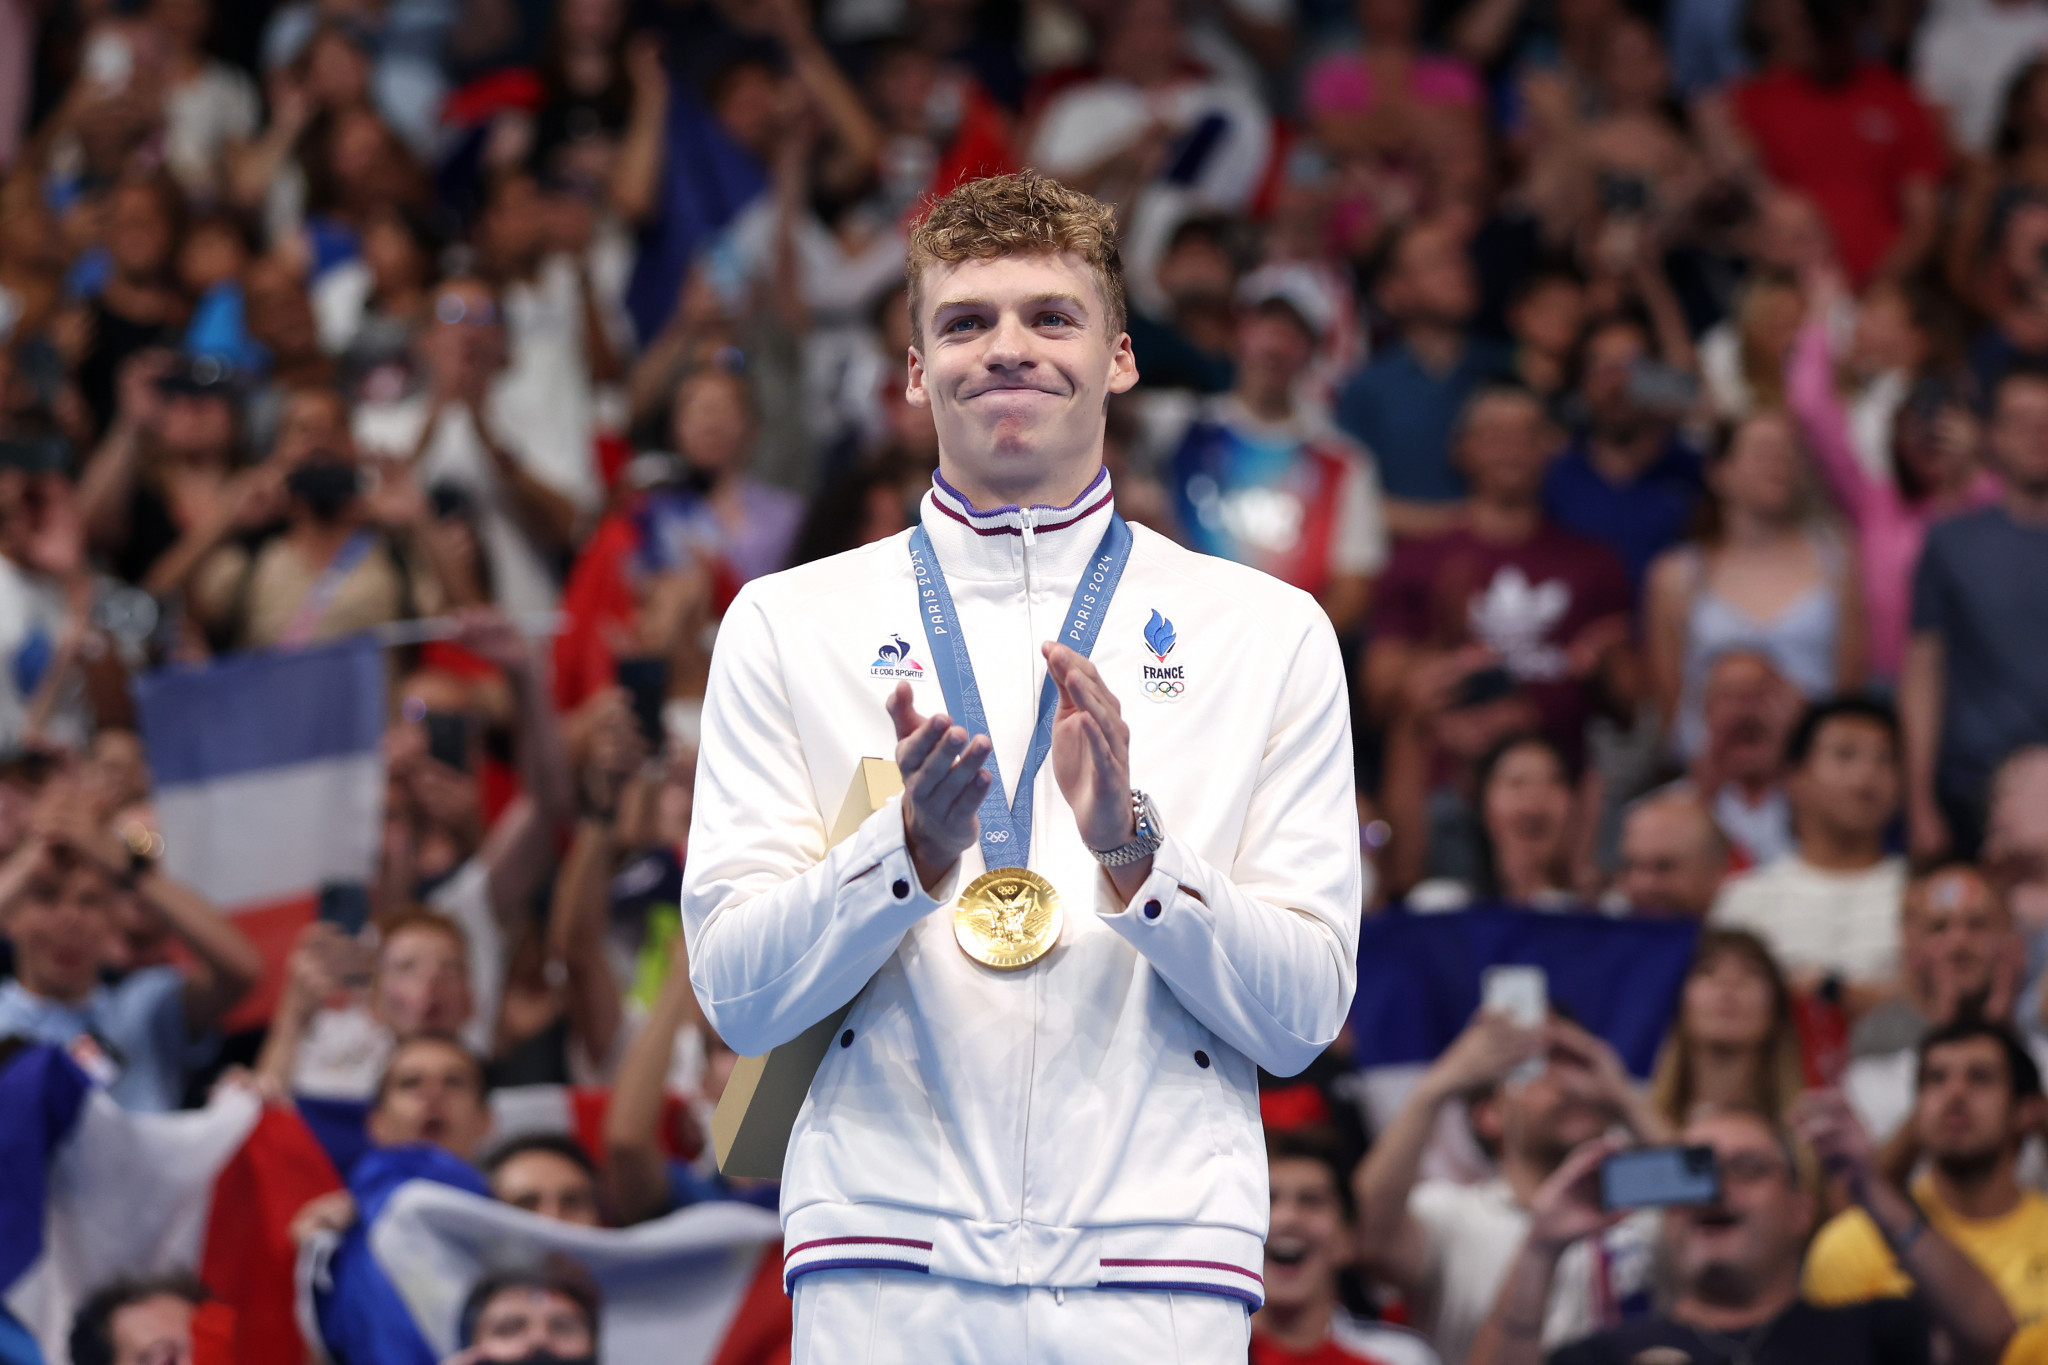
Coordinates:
<point>1006,827</point>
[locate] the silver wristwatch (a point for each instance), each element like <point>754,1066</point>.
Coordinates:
<point>1151,834</point>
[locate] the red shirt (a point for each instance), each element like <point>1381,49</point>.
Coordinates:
<point>1266,1351</point>
<point>1526,602</point>
<point>1850,147</point>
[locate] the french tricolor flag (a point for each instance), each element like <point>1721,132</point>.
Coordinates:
<point>269,774</point>
<point>92,1192</point>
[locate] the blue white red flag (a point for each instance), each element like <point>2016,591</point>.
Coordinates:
<point>269,774</point>
<point>702,1286</point>
<point>93,1192</point>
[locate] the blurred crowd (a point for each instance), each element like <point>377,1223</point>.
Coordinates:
<point>1654,396</point>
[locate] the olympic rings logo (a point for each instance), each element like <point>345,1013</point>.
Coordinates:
<point>1165,688</point>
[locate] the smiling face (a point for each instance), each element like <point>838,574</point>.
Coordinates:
<point>1017,364</point>
<point>1308,1238</point>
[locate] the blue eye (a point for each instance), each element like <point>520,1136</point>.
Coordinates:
<point>958,323</point>
<point>1055,320</point>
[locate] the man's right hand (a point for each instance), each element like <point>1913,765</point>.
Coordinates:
<point>1491,1046</point>
<point>943,783</point>
<point>1566,1207</point>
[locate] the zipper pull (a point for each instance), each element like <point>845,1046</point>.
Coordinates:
<point>1030,517</point>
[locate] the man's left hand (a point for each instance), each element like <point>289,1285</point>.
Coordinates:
<point>1091,751</point>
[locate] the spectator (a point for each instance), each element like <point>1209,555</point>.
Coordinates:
<point>715,509</point>
<point>2006,171</point>
<point>1673,857</point>
<point>1748,710</point>
<point>1734,1047</point>
<point>1410,404</point>
<point>1962,962</point>
<point>1309,1240</point>
<point>1628,481</point>
<point>1545,606</point>
<point>1847,131</point>
<point>1736,1264</point>
<point>1262,477</point>
<point>138,1322</point>
<point>1522,827</point>
<point>462,432</point>
<point>2016,845</point>
<point>138,306</point>
<point>2009,289</point>
<point>1546,318</point>
<point>1831,907</point>
<point>151,1029</point>
<point>1978,1098</point>
<point>545,1173</point>
<point>530,1316</point>
<point>1766,576</point>
<point>1447,1247</point>
<point>1971,689</point>
<point>1934,473</point>
<point>434,1093</point>
<point>1742,358</point>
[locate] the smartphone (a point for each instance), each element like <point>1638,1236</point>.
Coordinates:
<point>1658,1177</point>
<point>109,62</point>
<point>646,682</point>
<point>448,739</point>
<point>1522,993</point>
<point>1482,687</point>
<point>346,904</point>
<point>1661,388</point>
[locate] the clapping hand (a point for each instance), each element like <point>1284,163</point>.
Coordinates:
<point>944,781</point>
<point>1091,750</point>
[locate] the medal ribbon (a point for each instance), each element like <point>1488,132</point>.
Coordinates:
<point>1006,827</point>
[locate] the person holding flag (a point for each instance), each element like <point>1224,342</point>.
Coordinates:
<point>1122,876</point>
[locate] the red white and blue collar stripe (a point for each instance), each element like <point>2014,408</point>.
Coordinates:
<point>1009,519</point>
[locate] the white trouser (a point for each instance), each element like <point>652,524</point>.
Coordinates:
<point>893,1317</point>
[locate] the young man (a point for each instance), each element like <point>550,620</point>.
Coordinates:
<point>1310,1240</point>
<point>546,1173</point>
<point>1407,404</point>
<point>1044,1102</point>
<point>1975,684</point>
<point>1445,1245</point>
<point>1262,477</point>
<point>1735,1263</point>
<point>1979,1098</point>
<point>1830,908</point>
<point>57,908</point>
<point>138,1322</point>
<point>529,1316</point>
<point>1548,607</point>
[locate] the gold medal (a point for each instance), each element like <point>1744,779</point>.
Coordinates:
<point>1008,917</point>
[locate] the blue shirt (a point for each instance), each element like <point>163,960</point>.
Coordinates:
<point>1638,520</point>
<point>142,1018</point>
<point>1403,411</point>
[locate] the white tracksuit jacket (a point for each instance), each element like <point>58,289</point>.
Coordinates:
<point>1092,1119</point>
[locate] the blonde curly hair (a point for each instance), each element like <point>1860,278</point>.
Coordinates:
<point>1015,215</point>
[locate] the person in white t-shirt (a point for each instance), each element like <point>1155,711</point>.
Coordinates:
<point>1446,1246</point>
<point>1830,908</point>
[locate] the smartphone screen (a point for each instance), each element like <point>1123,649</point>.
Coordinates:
<point>448,739</point>
<point>1521,993</point>
<point>646,682</point>
<point>1657,1177</point>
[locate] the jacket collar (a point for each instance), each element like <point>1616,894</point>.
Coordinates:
<point>989,542</point>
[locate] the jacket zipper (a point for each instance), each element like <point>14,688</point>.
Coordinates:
<point>1029,519</point>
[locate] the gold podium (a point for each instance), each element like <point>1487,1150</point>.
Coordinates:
<point>750,1129</point>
